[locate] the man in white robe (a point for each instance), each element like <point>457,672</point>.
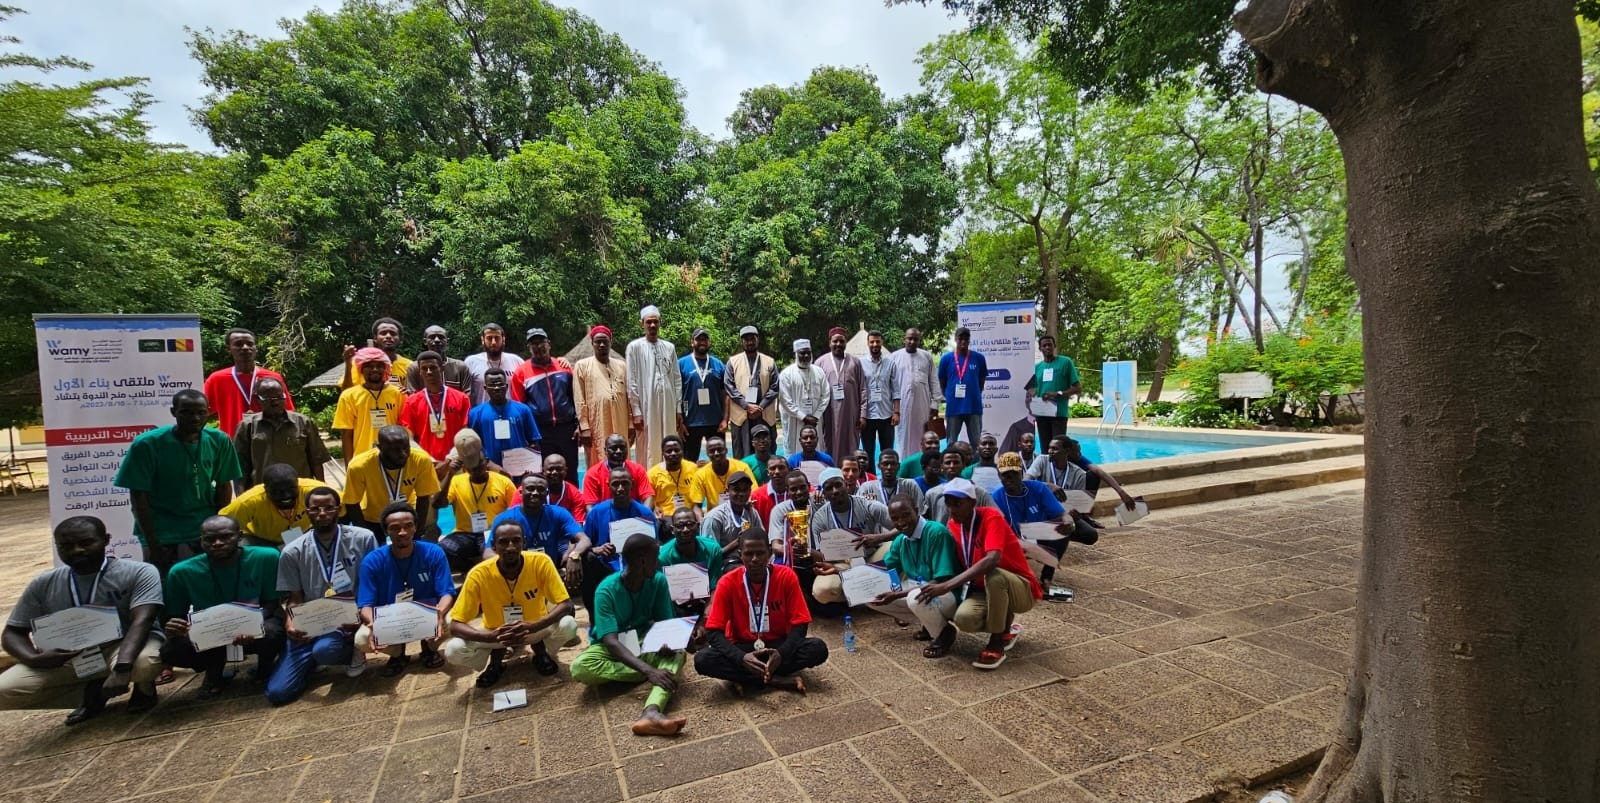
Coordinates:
<point>919,392</point>
<point>803,395</point>
<point>655,387</point>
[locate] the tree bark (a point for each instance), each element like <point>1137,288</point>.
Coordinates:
<point>1473,225</point>
<point>1158,378</point>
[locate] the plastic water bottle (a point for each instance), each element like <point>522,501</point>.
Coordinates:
<point>1277,796</point>
<point>849,635</point>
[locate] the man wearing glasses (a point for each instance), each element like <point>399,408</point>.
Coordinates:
<point>277,435</point>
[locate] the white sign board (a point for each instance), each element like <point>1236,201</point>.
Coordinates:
<point>1248,385</point>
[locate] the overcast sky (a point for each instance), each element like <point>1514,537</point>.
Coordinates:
<point>714,48</point>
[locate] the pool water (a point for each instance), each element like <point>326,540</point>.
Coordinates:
<point>1122,448</point>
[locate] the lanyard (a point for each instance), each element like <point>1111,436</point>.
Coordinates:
<point>758,627</point>
<point>249,395</point>
<point>1011,513</point>
<point>849,524</point>
<point>555,499</point>
<point>961,367</point>
<point>1059,477</point>
<point>511,584</point>
<point>436,413</point>
<point>72,582</point>
<point>399,480</point>
<point>967,537</point>
<point>698,370</point>
<point>328,564</point>
<point>405,573</point>
<point>477,494</point>
<point>195,456</point>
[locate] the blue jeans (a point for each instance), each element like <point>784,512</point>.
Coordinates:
<point>974,426</point>
<point>300,660</point>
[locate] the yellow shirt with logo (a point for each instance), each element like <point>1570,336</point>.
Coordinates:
<point>486,593</point>
<point>354,413</point>
<point>708,487</point>
<point>490,498</point>
<point>367,483</point>
<point>669,484</point>
<point>257,515</point>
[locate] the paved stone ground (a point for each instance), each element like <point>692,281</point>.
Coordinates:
<point>1207,644</point>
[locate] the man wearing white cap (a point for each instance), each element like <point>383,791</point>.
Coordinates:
<point>752,382</point>
<point>802,395</point>
<point>654,386</point>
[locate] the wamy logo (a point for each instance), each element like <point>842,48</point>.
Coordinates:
<point>58,348</point>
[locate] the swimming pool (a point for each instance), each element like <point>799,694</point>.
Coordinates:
<point>1122,448</point>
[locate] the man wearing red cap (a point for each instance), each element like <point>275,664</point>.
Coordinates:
<point>845,417</point>
<point>600,391</point>
<point>367,407</point>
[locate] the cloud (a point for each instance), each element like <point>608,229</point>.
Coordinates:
<point>715,48</point>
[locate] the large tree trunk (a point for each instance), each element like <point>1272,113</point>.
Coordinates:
<point>1158,379</point>
<point>1473,229</point>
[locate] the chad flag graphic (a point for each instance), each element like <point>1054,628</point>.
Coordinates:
<point>180,345</point>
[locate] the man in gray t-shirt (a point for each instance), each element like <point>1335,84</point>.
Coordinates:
<point>325,562</point>
<point>90,577</point>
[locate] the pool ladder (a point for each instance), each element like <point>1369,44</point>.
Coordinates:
<point>1119,408</point>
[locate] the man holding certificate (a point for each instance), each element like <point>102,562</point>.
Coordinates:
<point>515,599</point>
<point>837,527</point>
<point>757,625</point>
<point>222,605</point>
<point>609,523</point>
<point>403,572</point>
<point>628,605</point>
<point>319,574</point>
<point>1030,502</point>
<point>688,547</point>
<point>923,552</point>
<point>92,620</point>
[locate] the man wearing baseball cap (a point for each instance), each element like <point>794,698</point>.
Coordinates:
<point>752,382</point>
<point>705,395</point>
<point>1024,501</point>
<point>545,384</point>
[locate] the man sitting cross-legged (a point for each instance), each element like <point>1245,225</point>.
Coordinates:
<point>405,570</point>
<point>757,624</point>
<point>687,545</point>
<point>513,600</point>
<point>630,603</point>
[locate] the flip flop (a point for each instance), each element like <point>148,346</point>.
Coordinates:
<point>432,659</point>
<point>166,676</point>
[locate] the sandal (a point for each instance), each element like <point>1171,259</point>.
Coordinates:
<point>490,676</point>
<point>396,666</point>
<point>166,676</point>
<point>1009,640</point>
<point>922,635</point>
<point>432,659</point>
<point>936,650</point>
<point>990,659</point>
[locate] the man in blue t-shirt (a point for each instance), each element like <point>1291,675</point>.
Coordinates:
<point>545,527</point>
<point>404,570</point>
<point>705,394</point>
<point>962,374</point>
<point>502,423</point>
<point>599,554</point>
<point>1024,501</point>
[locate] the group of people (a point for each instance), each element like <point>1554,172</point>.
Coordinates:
<point>527,543</point>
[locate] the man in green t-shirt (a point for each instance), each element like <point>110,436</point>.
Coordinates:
<point>176,476</point>
<point>687,545</point>
<point>922,552</point>
<point>626,606</point>
<point>1055,379</point>
<point>225,572</point>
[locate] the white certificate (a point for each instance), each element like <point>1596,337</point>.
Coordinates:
<point>324,615</point>
<point>218,625</point>
<point>518,462</point>
<point>1037,531</point>
<point>621,529</point>
<point>688,581</point>
<point>863,583</point>
<point>1139,511</point>
<point>77,628</point>
<point>1042,407</point>
<point>812,469</point>
<point>1039,554</point>
<point>404,622</point>
<point>835,544</point>
<point>674,634</point>
<point>987,478</point>
<point>1080,501</point>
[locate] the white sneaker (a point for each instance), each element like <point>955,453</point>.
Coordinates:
<point>358,664</point>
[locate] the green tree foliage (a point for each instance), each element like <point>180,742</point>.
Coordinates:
<point>1308,371</point>
<point>827,207</point>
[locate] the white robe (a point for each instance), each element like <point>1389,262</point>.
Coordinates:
<point>655,391</point>
<point>801,394</point>
<point>919,390</point>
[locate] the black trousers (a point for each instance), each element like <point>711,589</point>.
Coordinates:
<point>877,434</point>
<point>1049,428</point>
<point>713,663</point>
<point>1082,532</point>
<point>697,436</point>
<point>561,439</point>
<point>180,652</point>
<point>463,551</point>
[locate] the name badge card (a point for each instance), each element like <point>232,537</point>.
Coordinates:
<point>378,419</point>
<point>838,392</point>
<point>961,391</point>
<point>502,429</point>
<point>702,397</point>
<point>1049,374</point>
<point>511,613</point>
<point>480,522</point>
<point>89,663</point>
<point>342,584</point>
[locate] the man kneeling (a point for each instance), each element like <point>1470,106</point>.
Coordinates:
<point>627,604</point>
<point>497,600</point>
<point>757,624</point>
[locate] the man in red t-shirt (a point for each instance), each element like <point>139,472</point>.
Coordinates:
<point>436,413</point>
<point>231,391</point>
<point>756,624</point>
<point>999,585</point>
<point>594,482</point>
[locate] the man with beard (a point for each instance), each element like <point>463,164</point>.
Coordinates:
<point>455,372</point>
<point>845,415</point>
<point>545,384</point>
<point>277,435</point>
<point>493,355</point>
<point>752,382</point>
<point>882,412</point>
<point>224,572</point>
<point>705,395</point>
<point>655,386</point>
<point>385,338</point>
<point>919,391</point>
<point>514,600</point>
<point>600,390</point>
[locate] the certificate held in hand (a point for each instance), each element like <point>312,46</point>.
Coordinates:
<point>622,528</point>
<point>687,581</point>
<point>837,544</point>
<point>218,625</point>
<point>77,628</point>
<point>865,582</point>
<point>324,615</point>
<point>404,622</point>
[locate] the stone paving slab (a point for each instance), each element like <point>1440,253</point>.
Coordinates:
<point>1208,643</point>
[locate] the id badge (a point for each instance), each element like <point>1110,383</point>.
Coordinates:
<point>752,394</point>
<point>378,418</point>
<point>404,596</point>
<point>480,522</point>
<point>502,429</point>
<point>511,613</point>
<point>233,653</point>
<point>1049,374</point>
<point>341,580</point>
<point>702,397</point>
<point>292,535</point>
<point>838,392</point>
<point>961,391</point>
<point>89,663</point>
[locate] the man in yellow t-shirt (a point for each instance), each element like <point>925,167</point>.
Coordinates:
<point>513,600</point>
<point>671,478</point>
<point>395,470</point>
<point>365,408</point>
<point>273,513</point>
<point>711,479</point>
<point>476,496</point>
<point>386,338</point>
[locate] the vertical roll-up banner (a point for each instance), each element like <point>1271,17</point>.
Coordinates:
<point>104,379</point>
<point>1003,332</point>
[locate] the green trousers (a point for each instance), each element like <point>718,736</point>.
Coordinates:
<point>596,665</point>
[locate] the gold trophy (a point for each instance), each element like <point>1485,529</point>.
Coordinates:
<point>799,522</point>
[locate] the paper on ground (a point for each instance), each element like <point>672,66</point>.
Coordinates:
<point>1139,511</point>
<point>510,698</point>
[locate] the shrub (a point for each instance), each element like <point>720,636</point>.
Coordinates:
<point>1323,359</point>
